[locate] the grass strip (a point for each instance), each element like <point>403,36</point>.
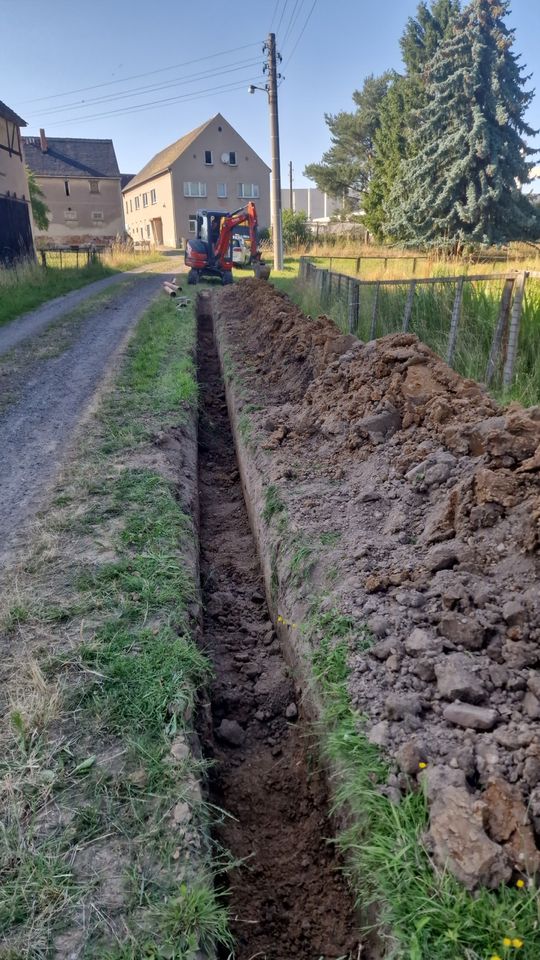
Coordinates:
<point>26,286</point>
<point>423,914</point>
<point>102,851</point>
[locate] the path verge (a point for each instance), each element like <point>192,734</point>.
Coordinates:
<point>104,850</point>
<point>336,441</point>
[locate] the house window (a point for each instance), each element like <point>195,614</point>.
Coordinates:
<point>145,199</point>
<point>208,157</point>
<point>192,189</point>
<point>192,221</point>
<point>147,229</point>
<point>232,158</point>
<point>66,187</point>
<point>70,214</point>
<point>137,202</point>
<point>130,205</point>
<point>127,208</point>
<point>222,190</point>
<point>94,186</point>
<point>248,191</point>
<point>153,198</point>
<point>97,216</point>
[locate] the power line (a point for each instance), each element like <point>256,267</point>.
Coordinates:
<point>84,104</point>
<point>291,20</point>
<point>139,108</point>
<point>274,13</point>
<point>301,34</point>
<point>281,17</point>
<point>149,73</point>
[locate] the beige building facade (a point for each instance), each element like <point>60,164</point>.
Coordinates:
<point>318,206</point>
<point>210,168</point>
<point>81,183</point>
<point>15,216</point>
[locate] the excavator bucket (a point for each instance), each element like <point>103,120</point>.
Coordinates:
<point>261,270</point>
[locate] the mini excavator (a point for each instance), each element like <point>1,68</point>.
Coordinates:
<point>210,253</point>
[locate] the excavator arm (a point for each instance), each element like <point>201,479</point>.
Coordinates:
<point>247,214</point>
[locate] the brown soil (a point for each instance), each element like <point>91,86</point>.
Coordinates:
<point>288,897</point>
<point>430,495</point>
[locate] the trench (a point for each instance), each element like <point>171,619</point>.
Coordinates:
<point>286,894</point>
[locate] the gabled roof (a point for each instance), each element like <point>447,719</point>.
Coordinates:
<point>163,160</point>
<point>125,179</point>
<point>9,114</point>
<point>70,157</point>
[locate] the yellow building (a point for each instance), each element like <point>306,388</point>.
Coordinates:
<point>15,219</point>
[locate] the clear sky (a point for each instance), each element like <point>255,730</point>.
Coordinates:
<point>133,52</point>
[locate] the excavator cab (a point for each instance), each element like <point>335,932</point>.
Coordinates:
<point>210,253</point>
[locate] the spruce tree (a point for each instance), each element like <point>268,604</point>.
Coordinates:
<point>393,140</point>
<point>462,184</point>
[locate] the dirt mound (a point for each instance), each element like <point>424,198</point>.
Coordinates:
<point>434,490</point>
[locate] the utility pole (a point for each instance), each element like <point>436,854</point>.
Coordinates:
<point>291,205</point>
<point>274,141</point>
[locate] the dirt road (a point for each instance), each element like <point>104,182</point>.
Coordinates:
<point>52,394</point>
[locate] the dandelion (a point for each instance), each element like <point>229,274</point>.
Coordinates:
<point>422,765</point>
<point>517,943</point>
<point>520,884</point>
<point>507,942</point>
<point>495,957</point>
<point>280,619</point>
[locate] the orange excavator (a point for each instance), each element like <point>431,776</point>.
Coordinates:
<point>209,254</point>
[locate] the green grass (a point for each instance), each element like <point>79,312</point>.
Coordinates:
<point>129,677</point>
<point>422,914</point>
<point>273,504</point>
<point>28,285</point>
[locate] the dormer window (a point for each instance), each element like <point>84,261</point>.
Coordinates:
<point>208,159</point>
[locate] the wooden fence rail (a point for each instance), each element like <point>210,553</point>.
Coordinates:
<point>505,338</point>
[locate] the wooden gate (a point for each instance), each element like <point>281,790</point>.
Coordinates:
<point>15,231</point>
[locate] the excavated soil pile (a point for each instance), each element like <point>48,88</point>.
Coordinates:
<point>434,493</point>
<point>287,895</point>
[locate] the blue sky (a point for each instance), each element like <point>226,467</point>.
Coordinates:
<point>207,53</point>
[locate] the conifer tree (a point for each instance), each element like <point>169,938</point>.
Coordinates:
<point>463,183</point>
<point>393,140</point>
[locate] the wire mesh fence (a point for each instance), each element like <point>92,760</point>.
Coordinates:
<point>486,326</point>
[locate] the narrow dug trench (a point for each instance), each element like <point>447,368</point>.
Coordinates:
<point>288,898</point>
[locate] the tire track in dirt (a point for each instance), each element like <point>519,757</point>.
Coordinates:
<point>288,897</point>
<point>37,427</point>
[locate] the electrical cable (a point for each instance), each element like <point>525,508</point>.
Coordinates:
<point>292,18</point>
<point>281,17</point>
<point>149,73</point>
<point>289,58</point>
<point>84,104</point>
<point>139,108</point>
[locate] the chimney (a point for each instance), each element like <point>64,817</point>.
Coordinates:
<point>43,141</point>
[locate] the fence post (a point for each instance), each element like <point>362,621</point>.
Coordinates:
<point>358,265</point>
<point>414,265</point>
<point>354,305</point>
<point>373,328</point>
<point>385,263</point>
<point>324,287</point>
<point>409,306</point>
<point>502,323</point>
<point>513,332</point>
<point>454,323</point>
<point>43,256</point>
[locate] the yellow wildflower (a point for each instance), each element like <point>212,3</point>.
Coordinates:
<point>520,884</point>
<point>280,619</point>
<point>507,942</point>
<point>495,957</point>
<point>517,943</point>
<point>422,765</point>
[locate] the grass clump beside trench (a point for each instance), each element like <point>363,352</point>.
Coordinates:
<point>423,914</point>
<point>103,847</point>
<point>27,285</point>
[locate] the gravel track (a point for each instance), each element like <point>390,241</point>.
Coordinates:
<point>32,323</point>
<point>36,429</point>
